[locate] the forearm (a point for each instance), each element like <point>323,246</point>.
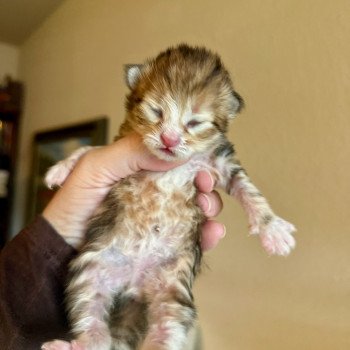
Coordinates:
<point>33,269</point>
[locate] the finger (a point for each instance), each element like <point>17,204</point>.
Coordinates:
<point>210,203</point>
<point>212,232</point>
<point>140,158</point>
<point>150,162</point>
<point>126,156</point>
<point>204,181</point>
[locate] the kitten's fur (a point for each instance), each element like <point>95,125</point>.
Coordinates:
<point>131,283</point>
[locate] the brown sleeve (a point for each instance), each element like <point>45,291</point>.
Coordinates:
<point>33,268</point>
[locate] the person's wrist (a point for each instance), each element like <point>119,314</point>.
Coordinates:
<point>65,225</point>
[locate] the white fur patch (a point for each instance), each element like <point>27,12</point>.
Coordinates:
<point>132,75</point>
<point>277,237</point>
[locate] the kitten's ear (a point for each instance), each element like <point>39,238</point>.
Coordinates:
<point>237,104</point>
<point>132,74</point>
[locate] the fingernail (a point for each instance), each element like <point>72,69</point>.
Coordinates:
<point>224,231</point>
<point>211,179</point>
<point>204,202</point>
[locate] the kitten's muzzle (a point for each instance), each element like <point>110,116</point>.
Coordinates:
<point>167,151</point>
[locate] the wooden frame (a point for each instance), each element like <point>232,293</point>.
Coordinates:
<point>53,145</point>
<point>11,93</point>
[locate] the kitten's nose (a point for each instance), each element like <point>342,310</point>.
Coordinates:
<point>170,139</point>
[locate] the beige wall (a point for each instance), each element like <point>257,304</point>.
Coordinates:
<point>9,56</point>
<point>290,59</point>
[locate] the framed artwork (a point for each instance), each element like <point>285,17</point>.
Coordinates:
<point>51,146</point>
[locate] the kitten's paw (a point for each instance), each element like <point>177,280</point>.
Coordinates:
<point>77,346</point>
<point>277,238</point>
<point>94,339</point>
<point>58,173</point>
<point>56,345</point>
<point>74,345</point>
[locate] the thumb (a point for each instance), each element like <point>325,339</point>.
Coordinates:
<point>148,161</point>
<point>140,158</point>
<point>124,157</point>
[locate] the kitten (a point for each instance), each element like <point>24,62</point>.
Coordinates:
<point>130,286</point>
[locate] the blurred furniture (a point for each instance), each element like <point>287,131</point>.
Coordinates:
<point>11,93</point>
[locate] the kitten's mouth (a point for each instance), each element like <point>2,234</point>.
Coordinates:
<point>167,151</point>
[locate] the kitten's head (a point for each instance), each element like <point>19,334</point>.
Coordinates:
<point>180,102</point>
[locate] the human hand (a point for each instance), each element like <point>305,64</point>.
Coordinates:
<point>95,174</point>
<point>210,202</point>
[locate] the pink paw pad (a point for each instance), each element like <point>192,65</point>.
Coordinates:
<point>56,345</point>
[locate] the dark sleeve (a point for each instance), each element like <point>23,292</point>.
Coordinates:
<point>33,268</point>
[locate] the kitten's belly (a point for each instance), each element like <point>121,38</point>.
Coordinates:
<point>156,223</point>
<point>159,213</point>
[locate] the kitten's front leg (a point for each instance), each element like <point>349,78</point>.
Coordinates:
<point>58,173</point>
<point>275,232</point>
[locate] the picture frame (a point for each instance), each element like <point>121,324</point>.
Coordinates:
<point>53,145</point>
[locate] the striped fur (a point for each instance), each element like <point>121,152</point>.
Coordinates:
<point>130,286</point>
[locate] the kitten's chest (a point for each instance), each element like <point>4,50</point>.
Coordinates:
<point>164,194</point>
<point>159,214</point>
<point>156,203</point>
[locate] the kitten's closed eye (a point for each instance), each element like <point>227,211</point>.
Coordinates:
<point>157,112</point>
<point>193,123</point>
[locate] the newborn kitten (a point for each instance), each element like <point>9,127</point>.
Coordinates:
<point>130,286</point>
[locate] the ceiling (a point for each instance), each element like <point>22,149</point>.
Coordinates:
<point>19,18</point>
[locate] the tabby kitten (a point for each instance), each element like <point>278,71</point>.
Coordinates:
<point>130,286</point>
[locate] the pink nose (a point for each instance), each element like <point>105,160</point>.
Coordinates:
<point>170,139</point>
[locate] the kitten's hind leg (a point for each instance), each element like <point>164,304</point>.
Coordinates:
<point>90,296</point>
<point>171,312</point>
<point>128,323</point>
<point>56,345</point>
<point>58,173</point>
<point>61,345</point>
